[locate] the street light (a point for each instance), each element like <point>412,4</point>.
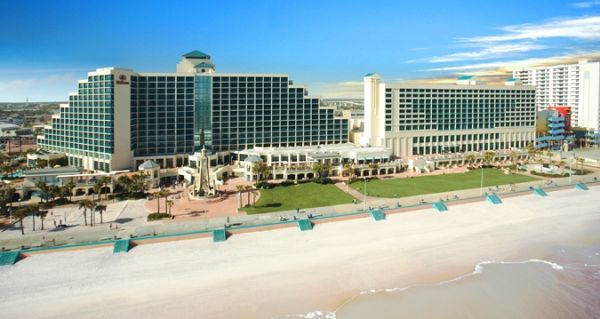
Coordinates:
<point>481,185</point>
<point>365,192</point>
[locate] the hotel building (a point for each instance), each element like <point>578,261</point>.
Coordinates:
<point>574,85</point>
<point>436,119</point>
<point>120,118</point>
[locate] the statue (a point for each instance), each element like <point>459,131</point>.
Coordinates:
<point>204,185</point>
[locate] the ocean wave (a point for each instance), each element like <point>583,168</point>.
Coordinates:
<point>479,268</point>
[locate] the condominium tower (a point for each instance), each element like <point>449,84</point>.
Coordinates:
<point>119,118</point>
<point>574,85</point>
<point>436,119</point>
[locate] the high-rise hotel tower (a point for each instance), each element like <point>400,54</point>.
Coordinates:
<point>119,118</point>
<point>436,119</point>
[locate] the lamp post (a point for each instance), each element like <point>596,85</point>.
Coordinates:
<point>481,185</point>
<point>365,189</point>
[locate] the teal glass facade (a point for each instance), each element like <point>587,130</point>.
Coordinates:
<point>202,114</point>
<point>265,111</point>
<point>85,127</point>
<point>162,113</point>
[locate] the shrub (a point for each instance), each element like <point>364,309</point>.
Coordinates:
<point>287,183</point>
<point>323,180</point>
<point>158,216</point>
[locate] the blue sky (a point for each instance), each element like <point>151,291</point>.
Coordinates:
<point>45,46</point>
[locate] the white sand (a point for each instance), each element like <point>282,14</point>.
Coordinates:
<point>284,271</point>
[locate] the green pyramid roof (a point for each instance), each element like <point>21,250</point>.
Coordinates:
<point>196,55</point>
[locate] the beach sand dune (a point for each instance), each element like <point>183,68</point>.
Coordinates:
<point>285,271</point>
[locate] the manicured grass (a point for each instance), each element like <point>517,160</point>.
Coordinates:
<point>400,187</point>
<point>298,196</point>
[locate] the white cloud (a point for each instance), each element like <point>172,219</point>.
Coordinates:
<point>491,51</point>
<point>582,28</point>
<point>517,64</point>
<point>585,4</point>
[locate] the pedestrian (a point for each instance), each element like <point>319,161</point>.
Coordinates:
<point>54,223</point>
<point>110,226</point>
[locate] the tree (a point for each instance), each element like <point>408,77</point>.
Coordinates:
<point>348,170</point>
<point>240,189</point>
<point>254,194</point>
<point>374,168</point>
<point>105,181</point>
<point>42,214</point>
<point>41,163</point>
<point>531,150</point>
<point>97,187</point>
<point>169,204</point>
<point>124,182</point>
<point>68,190</point>
<point>248,188</point>
<point>470,158</point>
<point>513,159</point>
<point>488,156</point>
<point>85,204</point>
<point>259,169</point>
<point>157,196</point>
<point>321,169</point>
<point>164,193</point>
<point>44,190</point>
<point>100,209</point>
<point>19,214</point>
<point>91,205</point>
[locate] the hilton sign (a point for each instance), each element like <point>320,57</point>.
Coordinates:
<point>122,79</point>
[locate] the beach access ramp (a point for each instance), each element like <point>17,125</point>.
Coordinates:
<point>219,235</point>
<point>539,192</point>
<point>440,207</point>
<point>121,246</point>
<point>493,198</point>
<point>304,224</point>
<point>9,258</point>
<point>377,214</point>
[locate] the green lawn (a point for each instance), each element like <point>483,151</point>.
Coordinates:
<point>400,187</point>
<point>301,196</point>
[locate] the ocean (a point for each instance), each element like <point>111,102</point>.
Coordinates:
<point>566,284</point>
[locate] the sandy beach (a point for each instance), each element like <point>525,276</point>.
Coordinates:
<point>282,272</point>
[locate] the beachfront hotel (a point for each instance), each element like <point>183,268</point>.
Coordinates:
<point>119,118</point>
<point>414,119</point>
<point>575,85</point>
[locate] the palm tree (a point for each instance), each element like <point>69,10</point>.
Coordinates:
<point>248,188</point>
<point>68,189</point>
<point>97,187</point>
<point>240,189</point>
<point>91,205</point>
<point>157,196</point>
<point>42,214</point>
<point>348,170</point>
<point>44,190</point>
<point>164,193</point>
<point>254,194</point>
<point>169,204</point>
<point>100,209</point>
<point>259,169</point>
<point>124,182</point>
<point>470,158</point>
<point>19,214</point>
<point>374,168</point>
<point>84,204</point>
<point>531,150</point>
<point>488,156</point>
<point>105,181</point>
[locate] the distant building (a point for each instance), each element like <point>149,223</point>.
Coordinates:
<point>415,119</point>
<point>574,85</point>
